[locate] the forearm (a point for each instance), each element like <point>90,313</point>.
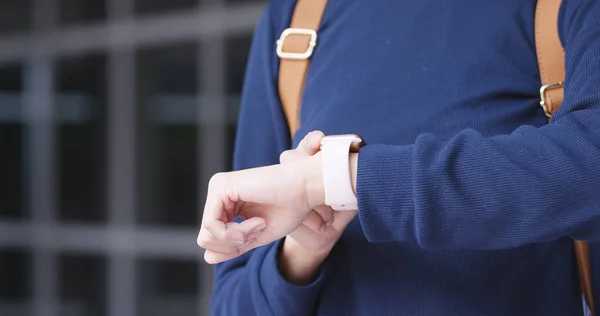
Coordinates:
<point>474,192</point>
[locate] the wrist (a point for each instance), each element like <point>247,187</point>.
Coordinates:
<point>300,265</point>
<point>353,170</point>
<point>313,180</point>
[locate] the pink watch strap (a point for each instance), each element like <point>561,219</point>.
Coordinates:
<point>335,151</point>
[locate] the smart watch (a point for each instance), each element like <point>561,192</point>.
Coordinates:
<point>335,153</point>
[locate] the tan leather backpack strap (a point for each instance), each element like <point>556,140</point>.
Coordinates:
<point>551,59</point>
<point>294,48</point>
<point>582,249</point>
<point>550,54</point>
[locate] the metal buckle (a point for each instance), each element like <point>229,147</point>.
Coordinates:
<point>543,90</point>
<point>297,31</point>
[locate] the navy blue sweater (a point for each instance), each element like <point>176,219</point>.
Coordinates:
<point>468,200</point>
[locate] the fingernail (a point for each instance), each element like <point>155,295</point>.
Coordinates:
<point>315,137</point>
<point>245,243</point>
<point>259,228</point>
<point>253,235</point>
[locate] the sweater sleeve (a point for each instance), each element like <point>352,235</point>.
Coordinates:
<point>251,284</point>
<point>474,192</point>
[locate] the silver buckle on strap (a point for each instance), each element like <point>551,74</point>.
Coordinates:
<point>543,90</point>
<point>297,31</point>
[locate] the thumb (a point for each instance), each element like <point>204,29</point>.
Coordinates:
<point>342,219</point>
<point>311,143</point>
<point>308,146</point>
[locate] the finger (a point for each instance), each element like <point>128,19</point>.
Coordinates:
<point>212,257</point>
<point>315,222</point>
<point>326,213</point>
<point>252,243</point>
<point>229,250</point>
<point>342,219</point>
<point>310,144</point>
<point>288,156</point>
<point>219,254</point>
<point>207,240</point>
<point>214,218</point>
<point>236,234</point>
<point>303,232</point>
<point>248,226</point>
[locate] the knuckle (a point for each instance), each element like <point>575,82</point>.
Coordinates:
<point>203,240</point>
<point>201,243</point>
<point>216,179</point>
<point>259,242</point>
<point>285,156</point>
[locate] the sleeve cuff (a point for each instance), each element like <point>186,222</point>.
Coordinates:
<point>385,192</point>
<point>285,297</point>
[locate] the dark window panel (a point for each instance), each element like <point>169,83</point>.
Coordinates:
<point>11,78</point>
<point>12,166</point>
<point>12,137</point>
<point>144,7</point>
<point>82,280</point>
<point>15,16</point>
<point>167,87</point>
<point>231,134</point>
<point>237,50</point>
<point>236,2</point>
<point>167,287</point>
<point>15,276</point>
<point>168,69</point>
<point>80,110</point>
<point>79,11</point>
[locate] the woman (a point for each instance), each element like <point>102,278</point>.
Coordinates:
<point>467,201</point>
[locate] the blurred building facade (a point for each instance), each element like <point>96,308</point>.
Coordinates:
<point>113,116</point>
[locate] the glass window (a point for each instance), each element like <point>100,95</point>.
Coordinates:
<point>237,49</point>
<point>236,2</point>
<point>81,11</point>
<point>80,109</point>
<point>82,285</point>
<point>15,16</point>
<point>167,84</point>
<point>15,282</point>
<point>12,137</point>
<point>143,7</point>
<point>167,287</point>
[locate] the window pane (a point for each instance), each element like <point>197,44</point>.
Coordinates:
<point>15,282</point>
<point>234,2</point>
<point>167,130</point>
<point>82,11</point>
<point>15,16</point>
<point>167,287</point>
<point>80,109</point>
<point>161,6</point>
<point>237,50</point>
<point>82,285</point>
<point>12,138</point>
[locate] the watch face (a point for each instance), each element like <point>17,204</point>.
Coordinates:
<point>356,140</point>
